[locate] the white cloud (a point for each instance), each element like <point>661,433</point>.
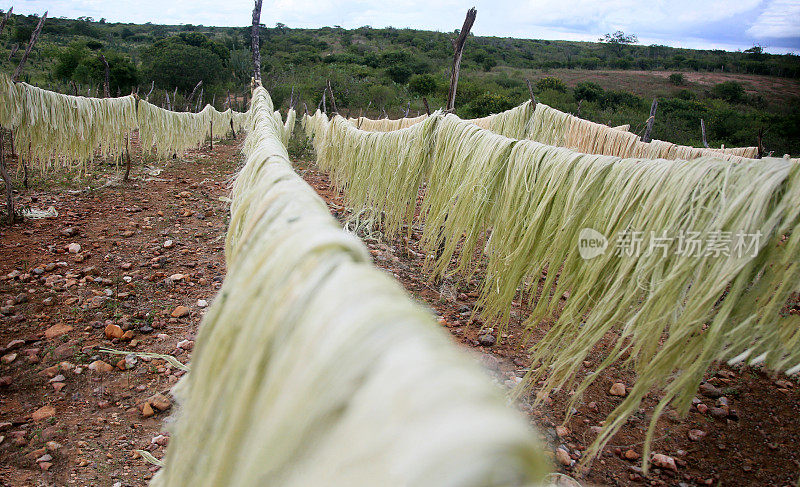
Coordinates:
<point>691,23</point>
<point>780,19</point>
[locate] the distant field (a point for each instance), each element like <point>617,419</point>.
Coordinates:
<point>651,83</point>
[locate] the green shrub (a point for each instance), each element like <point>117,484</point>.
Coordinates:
<point>676,79</point>
<point>551,83</point>
<point>422,84</point>
<point>730,91</point>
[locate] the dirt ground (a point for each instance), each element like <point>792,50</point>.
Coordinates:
<point>152,248</point>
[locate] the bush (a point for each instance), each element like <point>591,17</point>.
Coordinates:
<point>730,91</point>
<point>422,84</point>
<point>551,83</point>
<point>588,91</point>
<point>676,79</point>
<point>486,104</point>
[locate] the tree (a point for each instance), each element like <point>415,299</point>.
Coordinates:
<point>618,40</point>
<point>183,60</point>
<point>422,84</point>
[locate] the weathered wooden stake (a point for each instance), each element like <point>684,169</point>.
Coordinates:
<point>211,135</point>
<point>760,143</point>
<point>5,19</point>
<point>34,38</point>
<point>650,121</point>
<point>106,77</point>
<point>14,50</point>
<point>427,108</point>
<point>6,179</point>
<point>189,100</point>
<point>530,90</point>
<point>254,35</point>
<point>458,49</point>
<point>333,100</point>
<point>127,158</point>
<point>703,131</point>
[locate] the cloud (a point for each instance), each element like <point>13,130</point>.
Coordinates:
<point>781,19</point>
<point>690,23</point>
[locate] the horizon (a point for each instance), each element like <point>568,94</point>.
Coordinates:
<point>776,27</point>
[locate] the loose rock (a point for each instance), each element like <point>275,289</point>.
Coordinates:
<point>180,312</point>
<point>618,389</point>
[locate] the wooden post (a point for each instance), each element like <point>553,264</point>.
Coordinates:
<point>152,85</point>
<point>578,113</point>
<point>74,87</point>
<point>405,115</point>
<point>333,100</point>
<point>291,99</point>
<point>169,104</point>
<point>199,100</point>
<point>211,135</point>
<point>305,107</point>
<point>14,50</point>
<point>106,87</point>
<point>254,47</point>
<point>127,158</point>
<point>458,49</point>
<point>5,19</point>
<point>189,100</point>
<point>650,121</point>
<point>6,180</point>
<point>427,108</point>
<point>703,131</point>
<point>530,90</point>
<point>174,104</point>
<point>34,38</point>
<point>760,143</point>
<point>324,104</point>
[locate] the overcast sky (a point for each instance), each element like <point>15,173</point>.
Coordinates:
<point>722,24</point>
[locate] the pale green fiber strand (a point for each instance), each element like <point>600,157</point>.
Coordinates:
<point>668,310</point>
<point>553,127</point>
<point>514,123</point>
<point>466,171</point>
<point>385,124</point>
<point>314,368</point>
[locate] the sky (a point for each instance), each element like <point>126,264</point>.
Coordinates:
<point>699,24</point>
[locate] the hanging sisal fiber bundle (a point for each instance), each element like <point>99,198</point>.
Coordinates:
<point>379,172</point>
<point>11,102</point>
<point>514,123</point>
<point>288,127</point>
<point>385,124</point>
<point>674,305</point>
<point>671,313</point>
<point>553,127</point>
<point>55,130</point>
<point>467,167</point>
<point>221,121</point>
<point>167,132</point>
<point>314,368</point>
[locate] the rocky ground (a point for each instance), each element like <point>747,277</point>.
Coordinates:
<point>131,266</point>
<point>128,267</point>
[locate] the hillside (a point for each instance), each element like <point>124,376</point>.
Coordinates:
<point>736,93</point>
